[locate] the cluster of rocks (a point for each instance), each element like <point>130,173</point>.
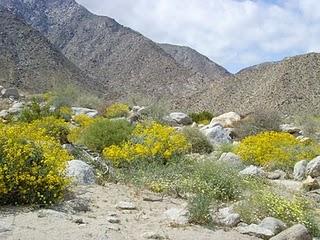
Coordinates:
<point>10,93</point>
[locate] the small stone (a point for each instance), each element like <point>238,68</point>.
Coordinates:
<point>177,216</point>
<point>256,230</point>
<point>113,228</point>
<point>226,217</point>
<point>230,158</point>
<point>153,235</point>
<point>51,213</point>
<point>267,228</point>
<point>79,221</point>
<point>299,171</point>
<point>126,206</point>
<point>4,227</point>
<point>113,220</point>
<point>87,111</point>
<point>296,232</point>
<point>152,198</point>
<point>290,185</point>
<point>180,118</point>
<point>310,184</point>
<point>273,224</point>
<point>252,171</point>
<point>273,175</point>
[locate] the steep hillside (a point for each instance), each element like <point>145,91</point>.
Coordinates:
<point>29,61</point>
<point>124,61</point>
<point>290,86</point>
<point>195,61</point>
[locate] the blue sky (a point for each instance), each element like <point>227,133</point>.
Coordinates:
<point>233,33</point>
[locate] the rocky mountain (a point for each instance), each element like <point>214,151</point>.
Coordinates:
<point>196,62</point>
<point>290,86</point>
<point>29,61</point>
<point>122,60</point>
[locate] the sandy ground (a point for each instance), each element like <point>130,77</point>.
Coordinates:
<point>146,222</point>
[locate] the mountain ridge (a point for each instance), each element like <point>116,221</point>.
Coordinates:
<point>111,54</point>
<point>29,61</point>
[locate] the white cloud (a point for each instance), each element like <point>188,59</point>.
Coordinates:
<point>231,32</point>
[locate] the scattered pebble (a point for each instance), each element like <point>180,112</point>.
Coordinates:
<point>126,206</point>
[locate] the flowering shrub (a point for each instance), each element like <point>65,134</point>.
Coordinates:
<point>117,110</point>
<point>32,166</point>
<point>265,203</point>
<point>275,150</point>
<point>53,127</point>
<point>83,122</point>
<point>151,141</point>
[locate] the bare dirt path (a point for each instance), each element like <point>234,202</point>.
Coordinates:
<point>105,221</point>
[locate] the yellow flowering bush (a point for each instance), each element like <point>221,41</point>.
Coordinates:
<point>275,150</point>
<point>83,121</point>
<point>150,141</point>
<point>117,110</point>
<point>53,127</point>
<point>32,166</point>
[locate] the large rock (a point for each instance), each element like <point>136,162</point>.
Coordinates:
<point>313,167</point>
<point>226,120</point>
<point>81,172</point>
<point>230,158</point>
<point>4,113</point>
<point>299,171</point>
<point>268,228</point>
<point>180,118</point>
<point>289,185</point>
<point>10,92</point>
<point>16,107</point>
<point>252,171</point>
<point>87,111</point>
<point>226,217</point>
<point>296,232</point>
<point>310,184</point>
<point>4,227</point>
<point>177,216</point>
<point>290,128</point>
<point>216,135</point>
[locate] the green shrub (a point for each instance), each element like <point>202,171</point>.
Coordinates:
<point>117,110</point>
<point>275,150</point>
<point>226,148</point>
<point>257,122</point>
<point>266,203</point>
<point>34,111</point>
<point>103,133</point>
<point>155,109</point>
<point>32,166</point>
<point>199,209</point>
<point>310,126</point>
<point>203,117</point>
<point>217,180</point>
<point>199,142</point>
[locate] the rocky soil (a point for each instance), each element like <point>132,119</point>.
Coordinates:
<point>145,219</point>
